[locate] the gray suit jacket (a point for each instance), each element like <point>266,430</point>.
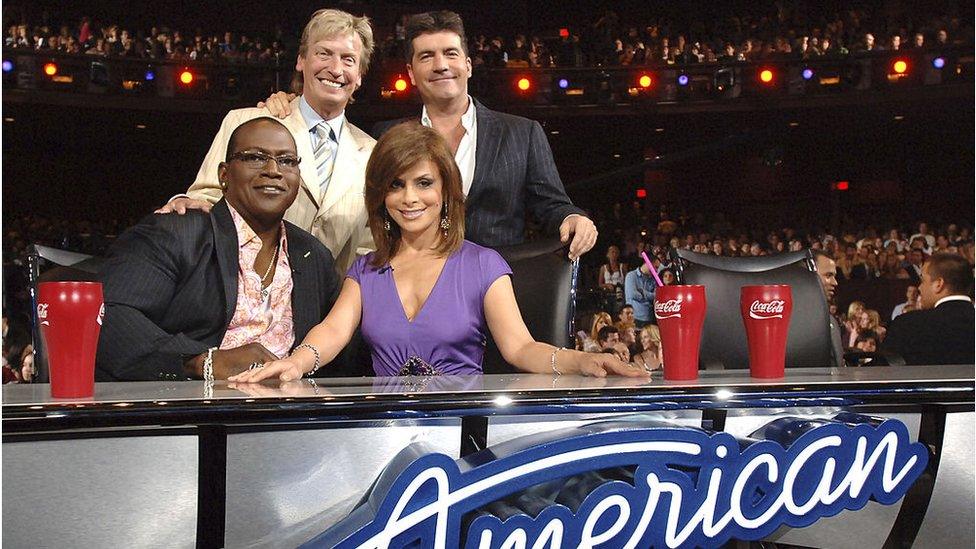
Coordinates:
<point>170,288</point>
<point>514,172</point>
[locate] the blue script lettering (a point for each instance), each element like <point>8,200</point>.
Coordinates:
<point>690,489</point>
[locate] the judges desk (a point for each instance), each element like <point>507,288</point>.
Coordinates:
<point>183,464</point>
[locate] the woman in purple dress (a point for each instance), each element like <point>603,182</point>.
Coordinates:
<point>426,297</point>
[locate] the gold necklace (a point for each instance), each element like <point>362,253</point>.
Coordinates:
<point>274,259</point>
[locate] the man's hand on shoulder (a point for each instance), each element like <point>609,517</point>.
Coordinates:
<point>181,204</point>
<point>583,232</point>
<point>279,104</point>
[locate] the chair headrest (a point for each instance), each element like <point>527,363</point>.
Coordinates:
<point>743,264</point>
<point>77,261</point>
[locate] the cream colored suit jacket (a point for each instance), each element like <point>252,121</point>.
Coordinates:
<point>338,219</point>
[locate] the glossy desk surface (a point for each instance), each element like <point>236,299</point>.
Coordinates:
<point>30,407</point>
<point>710,382</point>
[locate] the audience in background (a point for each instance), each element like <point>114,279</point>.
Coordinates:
<point>797,29</point>
<point>865,259</point>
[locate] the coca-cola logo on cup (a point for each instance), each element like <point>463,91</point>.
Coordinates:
<point>42,314</point>
<point>764,310</point>
<point>667,309</point>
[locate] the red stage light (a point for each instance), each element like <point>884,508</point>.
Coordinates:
<point>524,84</point>
<point>842,185</point>
<point>766,76</point>
<point>400,84</point>
<point>564,32</point>
<point>645,81</point>
<point>641,193</point>
<point>50,69</point>
<point>186,77</point>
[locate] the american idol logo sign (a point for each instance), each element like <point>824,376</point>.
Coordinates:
<point>690,488</point>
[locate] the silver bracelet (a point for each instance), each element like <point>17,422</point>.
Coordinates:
<point>315,351</point>
<point>552,360</point>
<point>208,365</point>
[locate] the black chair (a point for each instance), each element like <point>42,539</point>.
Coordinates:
<point>724,344</point>
<point>743,264</point>
<point>545,289</point>
<point>68,266</point>
<point>877,358</point>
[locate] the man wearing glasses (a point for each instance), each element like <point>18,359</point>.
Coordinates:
<point>333,57</point>
<point>207,295</point>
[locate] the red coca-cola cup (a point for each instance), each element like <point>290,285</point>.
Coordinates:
<point>70,314</point>
<point>680,313</point>
<point>766,312</point>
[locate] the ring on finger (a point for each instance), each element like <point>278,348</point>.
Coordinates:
<point>255,366</point>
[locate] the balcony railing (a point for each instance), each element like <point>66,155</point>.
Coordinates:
<point>27,70</point>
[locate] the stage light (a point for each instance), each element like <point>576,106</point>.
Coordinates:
<point>641,193</point>
<point>766,76</point>
<point>842,185</point>
<point>50,69</point>
<point>938,63</point>
<point>683,80</point>
<point>563,83</point>
<point>524,84</point>
<point>807,74</point>
<point>900,66</point>
<point>7,66</point>
<point>564,32</point>
<point>150,76</point>
<point>400,84</point>
<point>645,81</point>
<point>186,77</point>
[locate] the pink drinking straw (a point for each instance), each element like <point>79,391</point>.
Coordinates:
<point>650,267</point>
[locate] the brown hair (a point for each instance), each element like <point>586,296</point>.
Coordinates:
<point>329,23</point>
<point>431,22</point>
<point>954,270</point>
<point>402,147</point>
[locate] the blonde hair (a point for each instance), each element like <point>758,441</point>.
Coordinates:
<point>654,333</point>
<point>603,317</point>
<point>874,318</point>
<point>328,23</point>
<point>853,308</point>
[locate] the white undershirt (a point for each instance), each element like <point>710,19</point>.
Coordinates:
<point>953,298</point>
<point>465,155</point>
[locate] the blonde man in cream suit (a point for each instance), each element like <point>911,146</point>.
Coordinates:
<point>333,57</point>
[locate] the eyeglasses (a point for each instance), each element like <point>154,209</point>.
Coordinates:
<point>257,160</point>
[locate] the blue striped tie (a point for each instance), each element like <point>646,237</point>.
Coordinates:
<point>325,152</point>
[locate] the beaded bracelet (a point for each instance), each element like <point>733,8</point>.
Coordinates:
<point>315,351</point>
<point>552,360</point>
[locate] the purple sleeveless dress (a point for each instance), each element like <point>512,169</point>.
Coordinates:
<point>447,336</point>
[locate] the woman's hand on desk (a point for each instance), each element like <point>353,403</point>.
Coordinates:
<point>298,388</point>
<point>286,369</point>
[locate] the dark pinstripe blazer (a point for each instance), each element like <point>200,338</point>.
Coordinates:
<point>170,286</point>
<point>514,171</point>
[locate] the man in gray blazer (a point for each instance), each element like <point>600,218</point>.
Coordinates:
<point>505,161</point>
